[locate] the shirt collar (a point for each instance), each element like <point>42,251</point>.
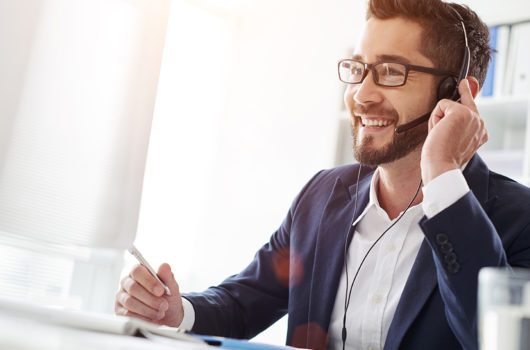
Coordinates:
<point>372,197</point>
<point>373,201</point>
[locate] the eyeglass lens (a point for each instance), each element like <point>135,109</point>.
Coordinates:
<point>387,74</point>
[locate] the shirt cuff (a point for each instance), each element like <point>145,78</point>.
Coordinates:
<point>443,191</point>
<point>189,315</point>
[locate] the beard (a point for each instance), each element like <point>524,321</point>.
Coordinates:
<point>401,144</point>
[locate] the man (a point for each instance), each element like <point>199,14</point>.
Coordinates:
<point>364,259</point>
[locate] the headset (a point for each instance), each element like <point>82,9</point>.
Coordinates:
<point>448,88</point>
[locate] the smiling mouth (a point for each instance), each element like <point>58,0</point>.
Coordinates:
<point>375,122</point>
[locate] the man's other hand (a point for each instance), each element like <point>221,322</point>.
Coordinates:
<point>142,296</point>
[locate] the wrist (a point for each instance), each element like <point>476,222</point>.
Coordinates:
<point>431,170</point>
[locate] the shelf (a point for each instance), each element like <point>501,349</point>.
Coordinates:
<point>509,12</point>
<point>504,99</point>
<point>506,119</point>
<point>514,108</point>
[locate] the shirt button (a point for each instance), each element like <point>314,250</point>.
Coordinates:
<point>376,299</point>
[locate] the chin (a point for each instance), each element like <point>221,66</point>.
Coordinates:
<point>373,151</point>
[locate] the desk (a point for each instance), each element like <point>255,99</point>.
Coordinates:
<point>18,333</point>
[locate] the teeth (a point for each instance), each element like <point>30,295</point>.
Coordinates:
<point>372,122</point>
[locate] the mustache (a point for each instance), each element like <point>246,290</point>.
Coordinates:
<point>374,110</point>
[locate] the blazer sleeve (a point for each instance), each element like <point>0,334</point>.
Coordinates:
<point>245,304</point>
<point>464,239</point>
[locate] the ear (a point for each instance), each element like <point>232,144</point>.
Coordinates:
<point>473,85</point>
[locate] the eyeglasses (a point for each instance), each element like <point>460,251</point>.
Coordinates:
<point>384,73</point>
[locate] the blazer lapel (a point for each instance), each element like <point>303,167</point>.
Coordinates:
<point>335,228</point>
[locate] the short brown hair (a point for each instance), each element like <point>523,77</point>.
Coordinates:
<point>442,38</point>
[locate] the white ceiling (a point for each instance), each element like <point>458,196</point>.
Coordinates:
<point>228,7</point>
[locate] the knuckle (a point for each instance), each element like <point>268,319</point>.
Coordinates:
<point>135,288</point>
<point>132,287</point>
<point>127,301</point>
<point>124,281</point>
<point>119,297</point>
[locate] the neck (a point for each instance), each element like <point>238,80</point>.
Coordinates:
<point>398,183</point>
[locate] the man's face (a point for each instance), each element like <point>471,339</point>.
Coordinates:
<point>371,104</point>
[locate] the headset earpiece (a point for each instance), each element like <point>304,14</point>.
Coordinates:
<point>447,88</point>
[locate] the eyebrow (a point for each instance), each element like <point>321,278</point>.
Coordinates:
<point>385,58</point>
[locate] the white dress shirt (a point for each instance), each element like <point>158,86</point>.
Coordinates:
<point>382,278</point>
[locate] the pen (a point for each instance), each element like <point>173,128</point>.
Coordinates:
<point>134,252</point>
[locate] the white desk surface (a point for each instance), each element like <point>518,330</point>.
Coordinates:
<point>18,333</point>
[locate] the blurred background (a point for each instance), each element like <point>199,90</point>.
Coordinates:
<point>188,127</point>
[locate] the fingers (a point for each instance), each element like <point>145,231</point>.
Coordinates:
<point>439,111</point>
<point>165,274</point>
<point>138,291</point>
<point>122,311</point>
<point>141,275</point>
<point>141,295</point>
<point>126,301</point>
<point>448,107</point>
<point>442,107</point>
<point>466,96</point>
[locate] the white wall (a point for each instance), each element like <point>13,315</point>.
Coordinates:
<point>507,12</point>
<point>280,122</point>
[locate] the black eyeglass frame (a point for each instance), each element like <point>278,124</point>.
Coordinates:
<point>408,67</point>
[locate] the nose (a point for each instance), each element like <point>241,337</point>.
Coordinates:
<point>367,92</point>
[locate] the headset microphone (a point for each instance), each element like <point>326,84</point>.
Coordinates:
<point>412,124</point>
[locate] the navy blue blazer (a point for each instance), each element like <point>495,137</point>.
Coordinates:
<point>298,271</point>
